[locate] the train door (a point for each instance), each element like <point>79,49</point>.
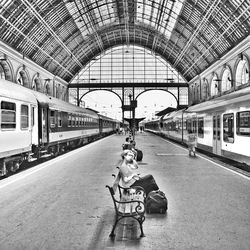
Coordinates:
<point>33,125</point>
<point>216,134</point>
<point>43,124</point>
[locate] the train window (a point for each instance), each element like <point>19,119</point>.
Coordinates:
<point>33,117</point>
<point>243,123</point>
<point>73,121</point>
<point>8,115</point>
<point>52,118</point>
<point>228,127</point>
<point>218,127</point>
<point>201,127</point>
<point>194,125</point>
<point>189,127</point>
<point>214,127</point>
<point>69,120</point>
<point>24,117</point>
<point>59,119</point>
<point>77,121</point>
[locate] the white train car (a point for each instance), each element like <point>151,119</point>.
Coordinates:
<point>34,125</point>
<point>18,124</point>
<point>222,125</point>
<point>226,122</point>
<point>172,125</point>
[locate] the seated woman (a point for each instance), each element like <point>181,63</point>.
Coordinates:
<point>130,176</point>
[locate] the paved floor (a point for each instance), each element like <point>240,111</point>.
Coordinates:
<point>63,204</point>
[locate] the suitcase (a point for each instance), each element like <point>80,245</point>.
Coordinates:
<point>147,182</point>
<point>139,155</point>
<point>156,202</point>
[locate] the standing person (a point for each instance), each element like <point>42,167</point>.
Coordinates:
<point>191,143</point>
<point>131,177</point>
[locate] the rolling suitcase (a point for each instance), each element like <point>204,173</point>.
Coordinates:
<point>139,155</point>
<point>156,202</point>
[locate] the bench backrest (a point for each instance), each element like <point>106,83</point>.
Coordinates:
<point>116,182</point>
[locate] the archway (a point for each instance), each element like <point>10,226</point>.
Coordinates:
<point>105,102</point>
<point>152,101</point>
<point>22,77</point>
<point>6,70</point>
<point>37,83</point>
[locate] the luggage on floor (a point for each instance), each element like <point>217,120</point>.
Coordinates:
<point>156,202</point>
<point>147,182</point>
<point>139,155</point>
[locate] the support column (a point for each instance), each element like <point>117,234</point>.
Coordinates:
<point>78,98</point>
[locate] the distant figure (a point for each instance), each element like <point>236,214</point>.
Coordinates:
<point>132,147</point>
<point>191,143</point>
<point>121,131</point>
<point>126,144</point>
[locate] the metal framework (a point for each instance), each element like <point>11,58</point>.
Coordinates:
<point>64,35</point>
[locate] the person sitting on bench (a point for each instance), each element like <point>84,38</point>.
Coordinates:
<point>129,174</point>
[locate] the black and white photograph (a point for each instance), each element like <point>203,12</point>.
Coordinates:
<point>124,124</point>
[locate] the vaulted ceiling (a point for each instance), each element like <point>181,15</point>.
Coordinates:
<point>64,35</point>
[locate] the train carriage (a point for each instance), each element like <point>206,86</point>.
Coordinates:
<point>34,125</point>
<point>108,125</point>
<point>227,125</point>
<point>62,124</point>
<point>222,125</point>
<point>17,124</point>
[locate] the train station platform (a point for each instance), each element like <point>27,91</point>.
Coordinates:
<point>63,203</point>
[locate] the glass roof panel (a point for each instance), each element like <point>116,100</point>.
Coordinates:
<point>128,64</point>
<point>190,34</point>
<point>162,15</point>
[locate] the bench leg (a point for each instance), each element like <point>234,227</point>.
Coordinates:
<point>141,220</point>
<point>112,234</point>
<point>142,233</point>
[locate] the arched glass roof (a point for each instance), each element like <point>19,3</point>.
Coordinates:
<point>128,64</point>
<point>64,35</point>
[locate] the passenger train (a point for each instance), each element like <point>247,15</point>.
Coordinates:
<point>34,125</point>
<point>222,125</point>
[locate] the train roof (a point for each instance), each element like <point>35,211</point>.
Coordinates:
<point>222,102</point>
<point>57,104</point>
<point>107,118</point>
<point>17,92</point>
<point>153,121</point>
<point>173,114</point>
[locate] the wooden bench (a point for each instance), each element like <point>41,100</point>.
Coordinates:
<point>129,202</point>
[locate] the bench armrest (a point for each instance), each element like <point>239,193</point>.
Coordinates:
<point>139,208</point>
<point>138,189</point>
